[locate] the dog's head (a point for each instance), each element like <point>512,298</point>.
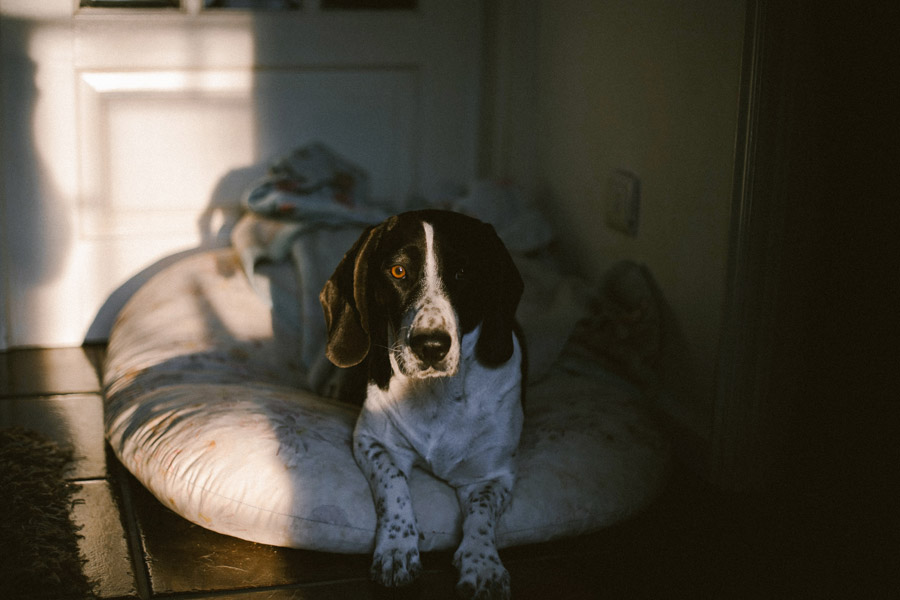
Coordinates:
<point>411,287</point>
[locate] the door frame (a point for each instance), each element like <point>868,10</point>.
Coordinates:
<point>749,416</point>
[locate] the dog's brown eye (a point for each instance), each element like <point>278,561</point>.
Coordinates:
<point>398,272</point>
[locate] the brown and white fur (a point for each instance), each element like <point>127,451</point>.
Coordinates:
<point>425,302</point>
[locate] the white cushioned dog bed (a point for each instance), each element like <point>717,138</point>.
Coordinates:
<point>203,406</point>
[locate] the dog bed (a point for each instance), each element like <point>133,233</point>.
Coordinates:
<point>204,404</point>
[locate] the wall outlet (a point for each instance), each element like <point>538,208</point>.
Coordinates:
<point>623,202</point>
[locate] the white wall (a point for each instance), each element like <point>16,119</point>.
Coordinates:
<point>650,86</point>
<point>127,136</point>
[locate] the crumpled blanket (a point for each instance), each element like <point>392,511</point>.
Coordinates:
<point>307,212</point>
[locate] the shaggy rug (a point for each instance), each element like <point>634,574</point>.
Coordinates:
<point>39,555</point>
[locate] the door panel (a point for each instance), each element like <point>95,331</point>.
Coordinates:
<point>129,136</point>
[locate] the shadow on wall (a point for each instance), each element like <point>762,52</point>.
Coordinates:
<point>36,235</point>
<point>214,225</point>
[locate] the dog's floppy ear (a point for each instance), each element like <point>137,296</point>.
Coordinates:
<point>345,304</point>
<point>503,292</point>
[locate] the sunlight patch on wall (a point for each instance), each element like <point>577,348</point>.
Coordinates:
<point>154,145</point>
<point>170,81</point>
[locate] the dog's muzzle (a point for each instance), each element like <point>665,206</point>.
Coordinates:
<point>430,347</point>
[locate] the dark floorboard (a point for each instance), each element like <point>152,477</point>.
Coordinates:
<point>792,542</point>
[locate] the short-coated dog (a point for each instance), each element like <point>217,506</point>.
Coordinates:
<point>425,303</point>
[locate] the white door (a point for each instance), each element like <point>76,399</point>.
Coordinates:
<point>128,135</point>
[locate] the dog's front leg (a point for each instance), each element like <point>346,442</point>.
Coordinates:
<point>395,561</point>
<point>481,574</point>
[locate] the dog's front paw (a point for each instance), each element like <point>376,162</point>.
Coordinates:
<point>481,575</point>
<point>396,566</point>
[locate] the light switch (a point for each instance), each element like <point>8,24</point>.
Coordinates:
<point>623,201</point>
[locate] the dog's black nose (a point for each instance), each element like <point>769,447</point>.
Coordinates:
<point>430,346</point>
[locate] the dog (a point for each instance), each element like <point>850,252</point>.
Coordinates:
<point>425,303</point>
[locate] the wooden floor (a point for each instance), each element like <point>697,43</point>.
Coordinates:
<point>692,543</point>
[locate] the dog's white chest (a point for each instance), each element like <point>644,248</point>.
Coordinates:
<point>461,428</point>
